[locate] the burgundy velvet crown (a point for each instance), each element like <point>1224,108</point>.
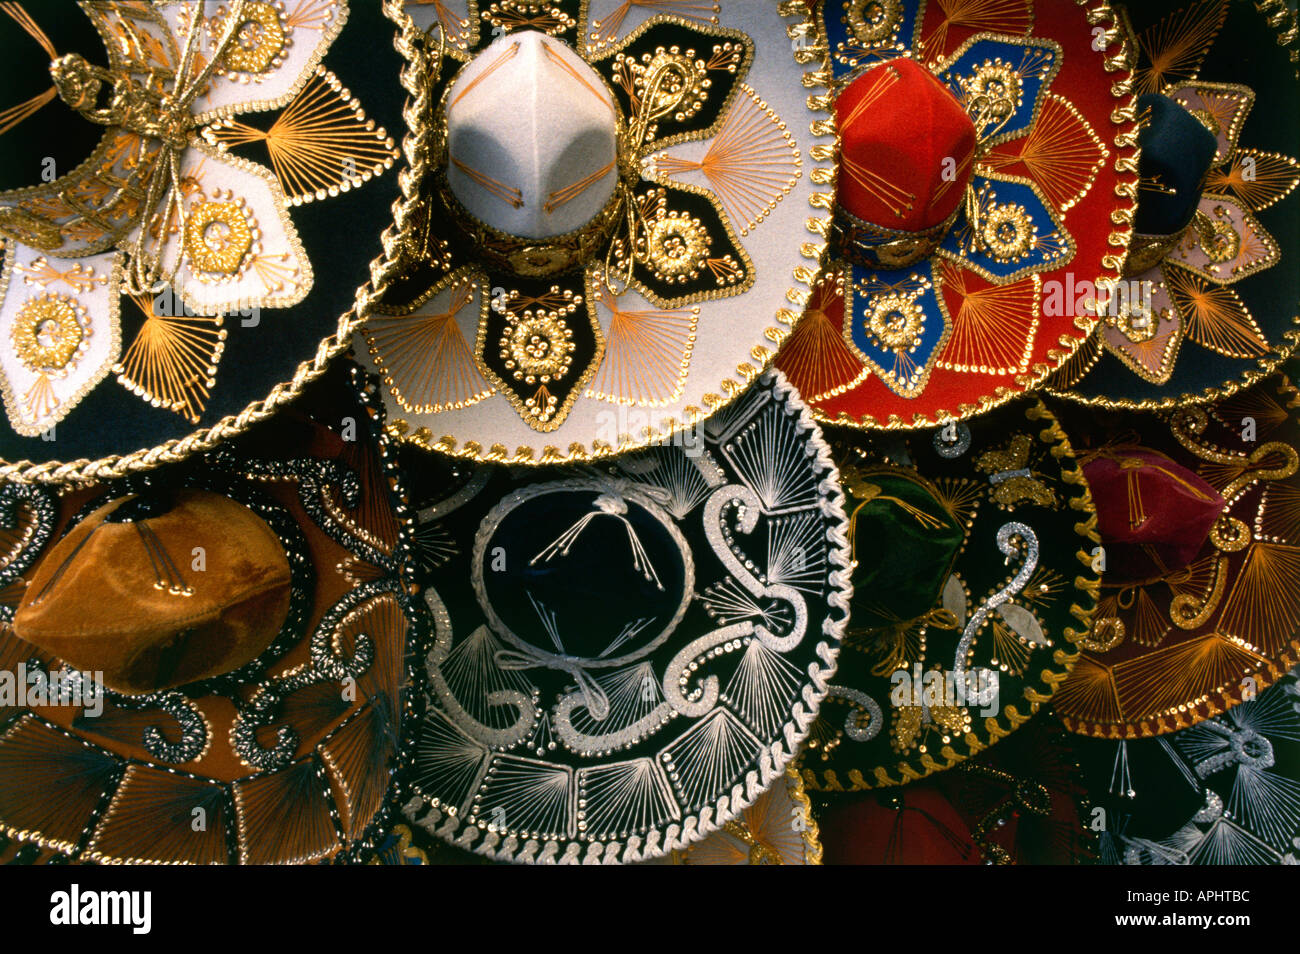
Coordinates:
<point>1153,514</point>
<point>906,151</point>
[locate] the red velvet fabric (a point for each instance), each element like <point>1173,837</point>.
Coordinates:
<point>899,125</point>
<point>1030,336</point>
<point>1153,514</point>
<point>913,825</point>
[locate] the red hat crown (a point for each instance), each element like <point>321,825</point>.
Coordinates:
<point>1154,515</point>
<point>907,147</point>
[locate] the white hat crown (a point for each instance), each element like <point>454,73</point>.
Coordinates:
<point>532,138</point>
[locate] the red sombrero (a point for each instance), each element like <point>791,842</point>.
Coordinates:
<point>987,186</point>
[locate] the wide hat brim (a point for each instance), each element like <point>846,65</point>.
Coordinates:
<point>311,170</point>
<point>1018,596</point>
<point>291,757</point>
<point>778,828</point>
<point>1225,332</point>
<point>752,168</point>
<point>626,656</point>
<point>1196,640</point>
<point>1216,793</point>
<point>978,322</point>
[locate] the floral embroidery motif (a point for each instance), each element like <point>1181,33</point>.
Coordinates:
<point>161,207</point>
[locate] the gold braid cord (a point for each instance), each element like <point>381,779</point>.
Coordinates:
<point>413,45</point>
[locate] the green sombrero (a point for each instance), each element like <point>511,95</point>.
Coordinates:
<point>972,582</point>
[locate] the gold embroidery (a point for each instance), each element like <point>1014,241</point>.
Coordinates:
<point>1220,240</point>
<point>1106,633</point>
<point>671,83</point>
<point>993,329</point>
<point>873,22</point>
<point>896,322</point>
<point>1214,316</point>
<point>538,348</point>
<point>816,358</point>
<point>993,94</point>
<point>48,332</point>
<point>1175,47</point>
<point>310,14</point>
<point>508,54</point>
<point>586,84</point>
<point>1012,476</point>
<point>11,117</point>
<point>520,14</point>
<point>675,246</point>
<point>1136,321</point>
<point>998,16</point>
<point>499,190</point>
<point>218,237</point>
<point>259,38</point>
<point>1274,177</point>
<point>172,362</point>
<point>606,30</point>
<point>1062,153</point>
<point>752,164</point>
<point>1007,232</point>
<point>427,363</point>
<point>731,53</point>
<point>78,276</point>
<point>571,192</point>
<point>320,145</point>
<point>647,353</point>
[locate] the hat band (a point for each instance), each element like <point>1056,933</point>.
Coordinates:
<point>530,257</point>
<point>1145,252</point>
<point>874,246</point>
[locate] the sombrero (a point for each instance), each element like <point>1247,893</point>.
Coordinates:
<point>778,829</point>
<point>988,177</point>
<point>625,656</point>
<point>213,662</point>
<point>1222,792</point>
<point>621,212</point>
<point>1210,291</point>
<point>1200,556</point>
<point>174,182</point>
<point>1021,802</point>
<point>971,583</point>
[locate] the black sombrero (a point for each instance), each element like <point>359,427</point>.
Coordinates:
<point>1209,299</point>
<point>253,141</point>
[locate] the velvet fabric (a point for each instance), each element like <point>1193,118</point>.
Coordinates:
<point>1021,801</point>
<point>914,825</point>
<point>105,598</point>
<point>904,543</point>
<point>1153,514</point>
<point>1176,154</point>
<point>898,119</point>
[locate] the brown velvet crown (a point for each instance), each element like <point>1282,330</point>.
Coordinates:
<point>127,593</point>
